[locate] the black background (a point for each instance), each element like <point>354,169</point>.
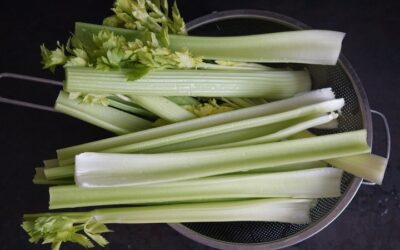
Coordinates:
<point>372,220</point>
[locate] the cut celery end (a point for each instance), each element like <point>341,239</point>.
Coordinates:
<point>59,172</point>
<point>309,98</point>
<point>94,169</point>
<point>367,166</point>
<point>206,83</point>
<point>163,107</point>
<point>105,117</point>
<point>310,183</point>
<point>40,179</point>
<point>50,163</point>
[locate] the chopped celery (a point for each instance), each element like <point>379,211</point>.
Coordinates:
<point>309,183</point>
<point>163,108</point>
<point>105,169</point>
<point>199,123</point>
<point>207,83</point>
<point>105,117</point>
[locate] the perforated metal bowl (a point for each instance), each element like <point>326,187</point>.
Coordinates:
<point>356,115</point>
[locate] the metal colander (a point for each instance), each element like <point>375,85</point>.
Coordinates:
<point>355,115</point>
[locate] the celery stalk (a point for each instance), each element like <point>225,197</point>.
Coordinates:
<point>310,110</point>
<point>105,117</point>
<point>207,83</point>
<point>367,166</point>
<point>50,163</point>
<point>199,123</point>
<point>278,135</point>
<point>105,169</point>
<point>130,107</point>
<point>183,100</point>
<point>40,179</point>
<point>310,183</point>
<point>305,46</point>
<point>163,108</point>
<point>63,227</point>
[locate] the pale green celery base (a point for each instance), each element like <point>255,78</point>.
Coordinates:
<point>93,169</point>
<point>204,83</point>
<point>105,117</point>
<point>199,123</point>
<point>311,183</point>
<point>290,167</point>
<point>163,108</point>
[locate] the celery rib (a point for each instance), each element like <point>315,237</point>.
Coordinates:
<point>94,169</point>
<point>207,83</point>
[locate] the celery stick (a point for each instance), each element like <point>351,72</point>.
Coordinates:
<point>51,163</point>
<point>163,108</point>
<point>367,166</point>
<point>40,179</point>
<point>104,169</point>
<point>309,183</point>
<point>310,110</point>
<point>59,172</point>
<point>278,135</point>
<point>108,118</point>
<point>56,228</point>
<point>289,167</point>
<point>207,83</point>
<point>241,102</point>
<point>305,46</point>
<point>183,100</point>
<point>199,123</point>
<point>330,125</point>
<point>130,107</point>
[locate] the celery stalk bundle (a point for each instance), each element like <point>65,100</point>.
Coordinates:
<point>206,133</point>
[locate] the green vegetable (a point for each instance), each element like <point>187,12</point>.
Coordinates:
<point>65,154</point>
<point>55,228</point>
<point>108,118</point>
<point>105,169</point>
<point>310,183</point>
<point>305,46</point>
<point>208,83</point>
<point>40,179</point>
<point>129,107</point>
<point>164,108</point>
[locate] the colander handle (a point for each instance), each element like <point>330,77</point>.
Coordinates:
<point>29,79</point>
<point>388,140</point>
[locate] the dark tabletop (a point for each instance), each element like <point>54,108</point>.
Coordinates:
<point>371,221</point>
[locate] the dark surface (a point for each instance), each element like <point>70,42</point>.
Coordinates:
<point>372,221</point>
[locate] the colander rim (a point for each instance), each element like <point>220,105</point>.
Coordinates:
<point>353,187</point>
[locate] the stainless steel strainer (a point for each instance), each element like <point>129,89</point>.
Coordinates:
<point>355,115</point>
